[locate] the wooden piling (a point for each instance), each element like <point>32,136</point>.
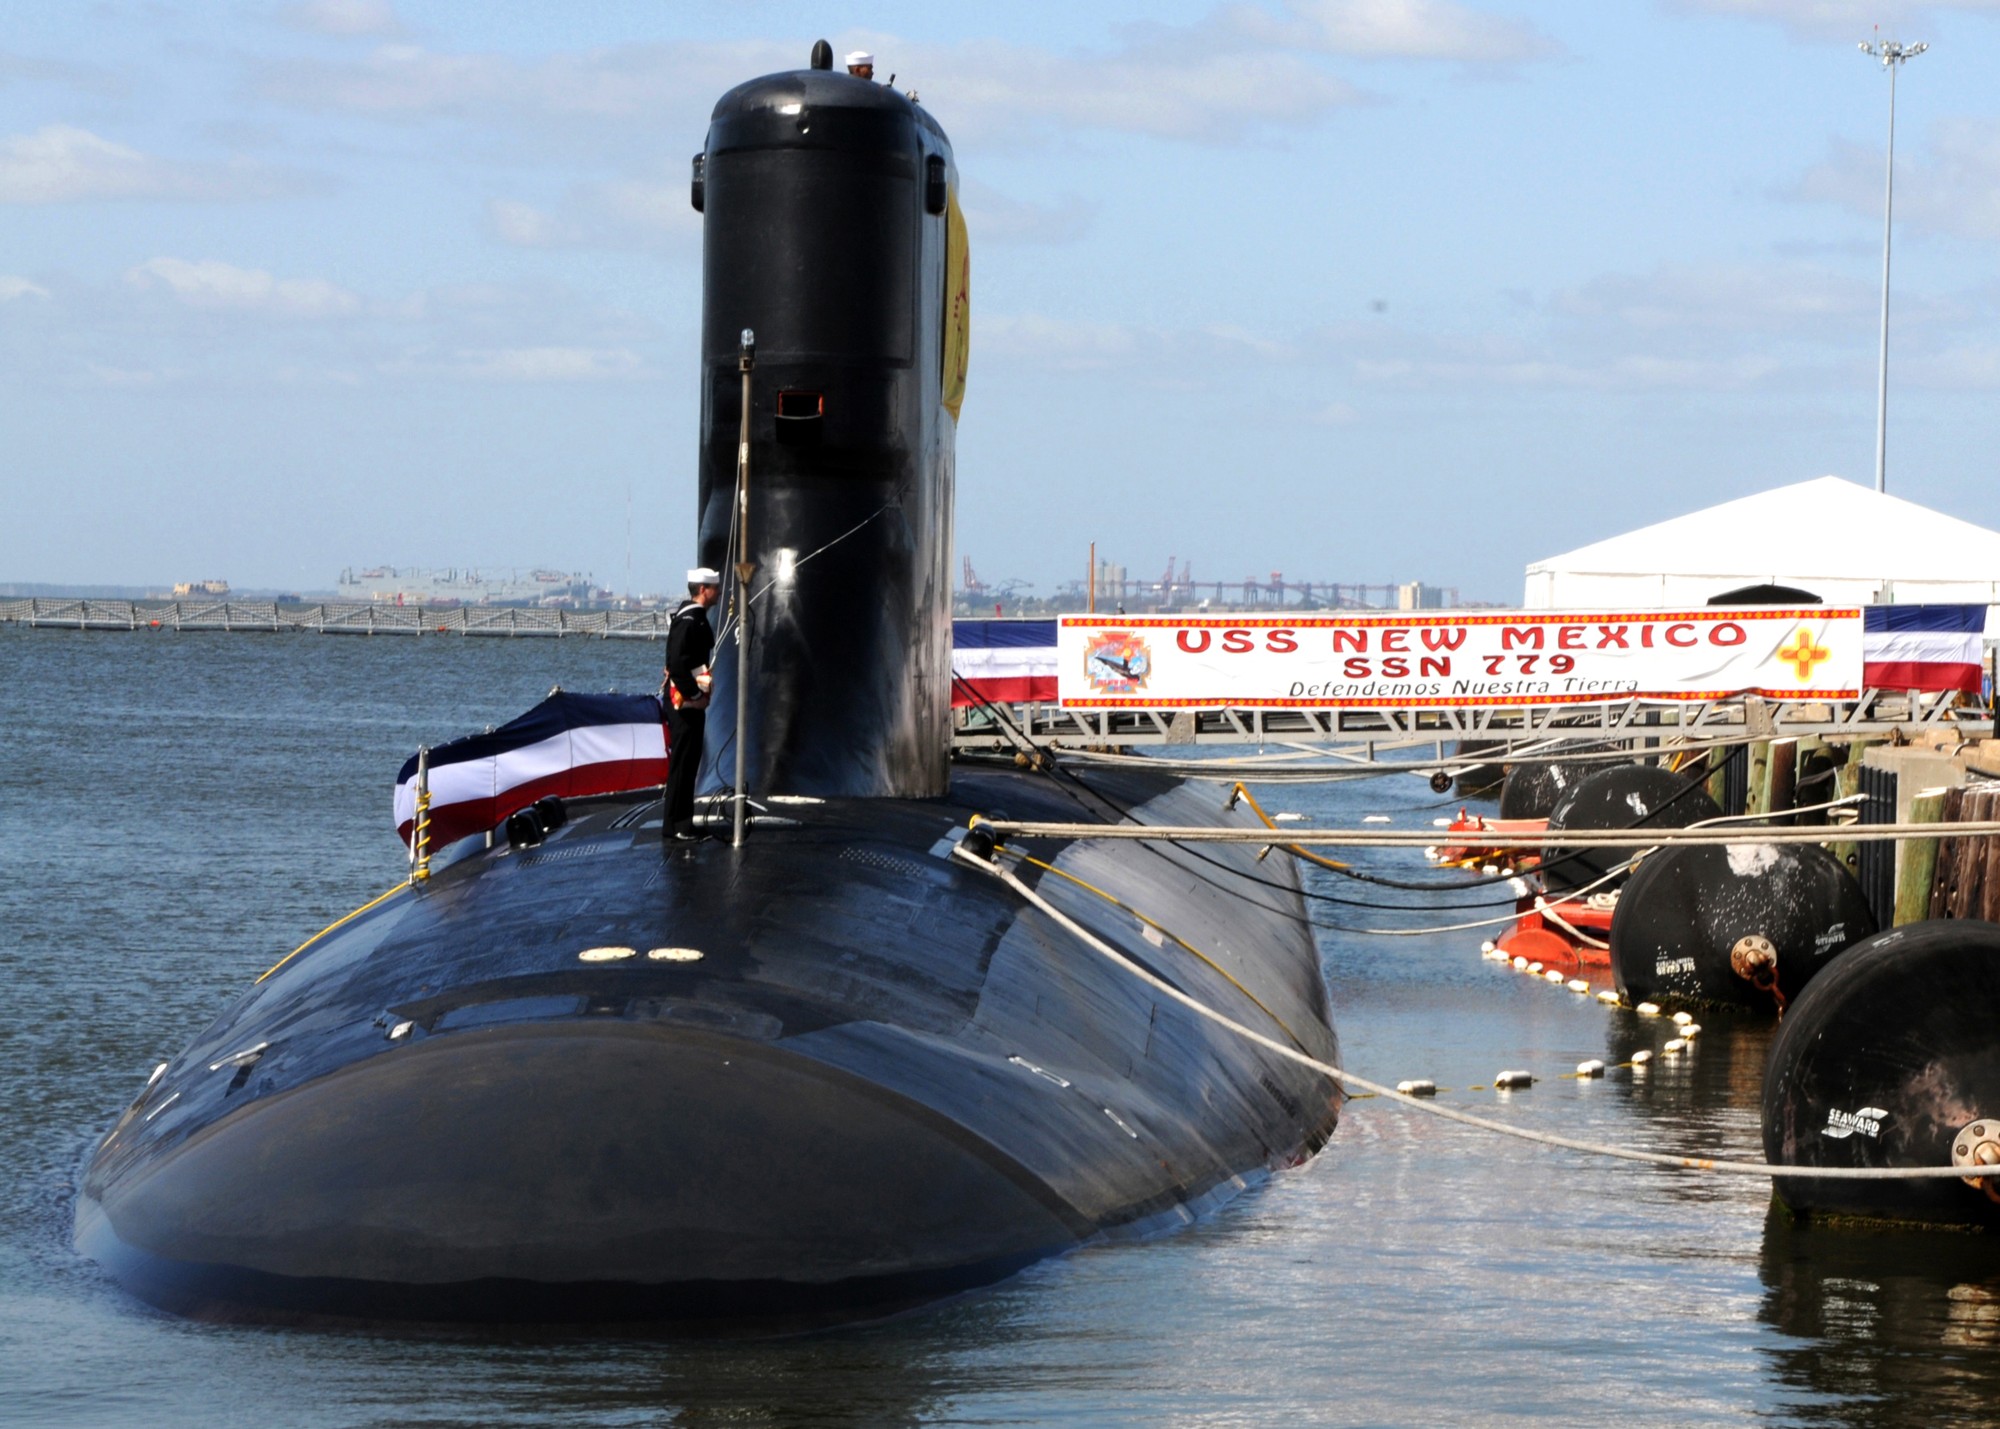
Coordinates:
<point>1961,887</point>
<point>1718,779</point>
<point>1944,877</point>
<point>1757,801</point>
<point>1916,869</point>
<point>1846,784</point>
<point>1989,903</point>
<point>1781,772</point>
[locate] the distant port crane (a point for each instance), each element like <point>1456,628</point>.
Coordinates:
<point>1276,592</point>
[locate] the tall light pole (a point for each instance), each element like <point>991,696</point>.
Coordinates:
<point>1893,54</point>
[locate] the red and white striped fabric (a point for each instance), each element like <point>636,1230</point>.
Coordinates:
<point>568,745</point>
<point>1923,647</point>
<point>1003,661</point>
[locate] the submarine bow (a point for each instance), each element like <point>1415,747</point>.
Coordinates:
<point>828,1075</point>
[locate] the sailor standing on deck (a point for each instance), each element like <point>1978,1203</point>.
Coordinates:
<point>690,645</point>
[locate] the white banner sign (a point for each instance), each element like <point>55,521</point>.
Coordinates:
<point>1537,657</point>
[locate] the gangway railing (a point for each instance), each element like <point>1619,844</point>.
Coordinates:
<point>1876,712</point>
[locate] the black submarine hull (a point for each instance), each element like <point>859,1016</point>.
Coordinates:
<point>824,1076</point>
<point>578,1172</point>
<point>884,1081</point>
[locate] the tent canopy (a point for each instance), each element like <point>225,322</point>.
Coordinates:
<point>1848,544</point>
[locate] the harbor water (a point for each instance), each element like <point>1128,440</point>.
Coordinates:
<point>177,811</point>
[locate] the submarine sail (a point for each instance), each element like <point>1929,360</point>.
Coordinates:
<point>831,231</point>
<point>827,1075</point>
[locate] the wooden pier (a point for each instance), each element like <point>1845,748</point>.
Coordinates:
<point>333,617</point>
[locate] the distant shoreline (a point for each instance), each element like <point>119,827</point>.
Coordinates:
<point>39,590</point>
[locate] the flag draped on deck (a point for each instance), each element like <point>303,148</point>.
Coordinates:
<point>1004,661</point>
<point>1922,647</point>
<point>568,745</point>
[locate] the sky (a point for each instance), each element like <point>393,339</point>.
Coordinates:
<point>1357,290</point>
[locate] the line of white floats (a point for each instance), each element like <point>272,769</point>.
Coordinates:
<point>1686,1029</point>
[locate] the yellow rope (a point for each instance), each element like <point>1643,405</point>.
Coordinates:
<point>329,928</point>
<point>1251,799</point>
<point>1163,932</point>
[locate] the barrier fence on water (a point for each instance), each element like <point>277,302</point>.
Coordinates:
<point>333,617</point>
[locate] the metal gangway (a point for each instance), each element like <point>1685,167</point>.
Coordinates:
<point>1876,713</point>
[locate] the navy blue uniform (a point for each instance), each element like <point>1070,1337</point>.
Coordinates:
<point>690,645</point>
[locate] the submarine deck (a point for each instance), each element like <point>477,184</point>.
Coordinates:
<point>828,1069</point>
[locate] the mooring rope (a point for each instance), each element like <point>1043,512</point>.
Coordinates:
<point>1336,768</point>
<point>1549,838</point>
<point>336,923</point>
<point>1240,792</point>
<point>1342,1077</point>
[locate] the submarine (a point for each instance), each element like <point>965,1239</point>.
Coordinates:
<point>828,1073</point>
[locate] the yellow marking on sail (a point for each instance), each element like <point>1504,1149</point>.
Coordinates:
<point>957,305</point>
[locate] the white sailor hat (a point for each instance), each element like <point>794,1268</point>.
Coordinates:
<point>704,575</point>
<point>859,57</point>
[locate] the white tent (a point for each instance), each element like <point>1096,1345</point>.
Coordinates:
<point>1847,544</point>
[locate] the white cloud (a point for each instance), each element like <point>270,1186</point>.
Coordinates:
<point>1063,342</point>
<point>1773,300</point>
<point>652,206</point>
<point>528,364</point>
<point>1687,327</point>
<point>216,325</point>
<point>1190,83</point>
<point>1951,184</point>
<point>526,226</point>
<point>1163,353</point>
<point>1971,366</point>
<point>1396,29</point>
<point>60,163</point>
<point>620,82</point>
<point>995,217</point>
<point>1677,327</point>
<point>629,213</point>
<point>107,376</point>
<point>1629,372</point>
<point>223,286</point>
<point>1722,327</point>
<point>1850,20</point>
<point>88,78</point>
<point>1239,69</point>
<point>1174,85</point>
<point>345,17</point>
